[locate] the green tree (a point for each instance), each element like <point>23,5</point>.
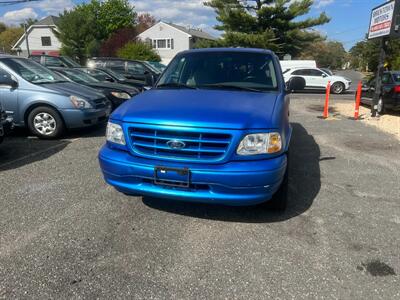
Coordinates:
<point>139,51</point>
<point>2,27</point>
<point>270,24</point>
<point>9,37</point>
<point>83,29</point>
<point>327,54</point>
<point>28,22</point>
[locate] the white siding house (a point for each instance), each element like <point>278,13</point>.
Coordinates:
<point>169,39</point>
<point>41,38</point>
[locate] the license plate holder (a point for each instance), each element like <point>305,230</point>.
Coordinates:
<point>173,177</point>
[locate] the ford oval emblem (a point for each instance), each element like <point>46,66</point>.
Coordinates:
<point>176,144</point>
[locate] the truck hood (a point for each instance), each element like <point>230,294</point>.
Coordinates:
<point>200,108</point>
<point>72,88</point>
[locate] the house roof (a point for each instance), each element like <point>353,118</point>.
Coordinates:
<point>49,20</point>
<point>194,32</point>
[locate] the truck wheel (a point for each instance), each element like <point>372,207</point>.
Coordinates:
<point>45,122</point>
<point>337,88</point>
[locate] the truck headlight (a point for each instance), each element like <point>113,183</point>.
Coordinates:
<point>121,95</point>
<point>260,143</point>
<point>115,134</point>
<point>79,102</point>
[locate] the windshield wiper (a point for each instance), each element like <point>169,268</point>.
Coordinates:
<point>230,86</point>
<point>177,85</point>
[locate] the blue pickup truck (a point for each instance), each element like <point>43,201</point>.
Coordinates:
<point>214,129</point>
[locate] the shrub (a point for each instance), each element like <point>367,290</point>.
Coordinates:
<point>139,51</point>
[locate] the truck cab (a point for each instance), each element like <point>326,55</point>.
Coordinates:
<point>214,128</point>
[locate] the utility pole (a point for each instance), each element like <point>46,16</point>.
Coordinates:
<point>378,82</point>
<point>26,40</point>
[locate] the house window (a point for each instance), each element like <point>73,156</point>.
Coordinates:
<point>46,41</point>
<point>161,44</point>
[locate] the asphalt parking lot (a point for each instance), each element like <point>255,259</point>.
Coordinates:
<point>65,234</point>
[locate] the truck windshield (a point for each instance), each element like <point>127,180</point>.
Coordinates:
<point>32,71</point>
<point>221,70</point>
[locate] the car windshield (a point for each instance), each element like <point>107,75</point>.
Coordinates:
<point>79,76</point>
<point>69,62</point>
<point>221,70</point>
<point>151,67</point>
<point>115,75</point>
<point>32,71</point>
<point>157,65</point>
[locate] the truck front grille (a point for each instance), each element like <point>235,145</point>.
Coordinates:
<point>201,146</point>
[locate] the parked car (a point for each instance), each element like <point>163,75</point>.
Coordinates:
<point>389,96</point>
<point>55,61</point>
<point>318,79</point>
<point>5,123</point>
<point>46,103</point>
<point>214,129</point>
<point>104,74</point>
<point>116,93</point>
<point>136,70</point>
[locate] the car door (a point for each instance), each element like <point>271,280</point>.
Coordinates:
<point>8,95</point>
<point>302,73</point>
<point>317,78</point>
<point>136,71</point>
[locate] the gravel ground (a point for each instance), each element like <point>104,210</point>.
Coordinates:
<point>65,234</point>
<point>389,122</point>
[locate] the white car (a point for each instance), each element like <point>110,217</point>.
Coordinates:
<point>318,79</point>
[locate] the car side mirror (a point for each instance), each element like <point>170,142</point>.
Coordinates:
<point>149,79</point>
<point>8,81</point>
<point>324,75</point>
<point>296,84</point>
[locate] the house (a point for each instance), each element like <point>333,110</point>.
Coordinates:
<point>169,39</point>
<point>41,38</point>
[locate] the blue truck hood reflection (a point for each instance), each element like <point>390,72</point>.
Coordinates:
<point>200,108</point>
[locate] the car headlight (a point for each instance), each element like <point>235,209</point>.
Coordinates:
<point>115,134</point>
<point>121,95</point>
<point>80,103</point>
<point>260,143</point>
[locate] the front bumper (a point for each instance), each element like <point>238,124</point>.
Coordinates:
<point>78,118</point>
<point>232,183</point>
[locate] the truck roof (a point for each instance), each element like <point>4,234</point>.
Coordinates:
<point>238,49</point>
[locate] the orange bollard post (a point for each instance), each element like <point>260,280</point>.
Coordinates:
<point>326,107</point>
<point>358,99</point>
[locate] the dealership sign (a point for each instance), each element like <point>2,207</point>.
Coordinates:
<point>382,19</point>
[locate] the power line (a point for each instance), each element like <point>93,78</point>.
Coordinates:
<point>12,2</point>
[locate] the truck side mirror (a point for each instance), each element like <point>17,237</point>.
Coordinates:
<point>296,84</point>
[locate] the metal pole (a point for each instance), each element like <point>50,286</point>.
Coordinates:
<point>378,82</point>
<point>26,40</point>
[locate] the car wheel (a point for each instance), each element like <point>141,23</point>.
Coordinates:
<point>45,122</point>
<point>337,88</point>
<point>380,107</point>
